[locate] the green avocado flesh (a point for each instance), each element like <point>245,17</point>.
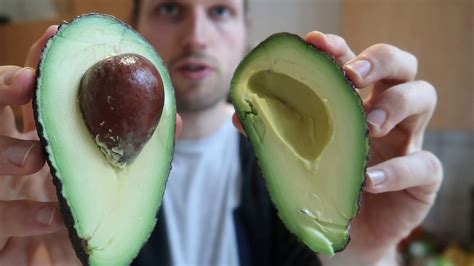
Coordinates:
<point>307,126</point>
<point>109,211</point>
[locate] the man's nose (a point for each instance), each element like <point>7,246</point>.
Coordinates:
<point>196,31</point>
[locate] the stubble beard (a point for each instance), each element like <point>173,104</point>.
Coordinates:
<point>201,96</point>
<point>193,105</point>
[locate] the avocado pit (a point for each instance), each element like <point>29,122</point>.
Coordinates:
<point>121,99</point>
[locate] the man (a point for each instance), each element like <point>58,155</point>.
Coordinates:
<point>215,209</point>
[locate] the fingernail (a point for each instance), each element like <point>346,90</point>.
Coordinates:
<point>376,177</point>
<point>360,67</point>
<point>377,117</point>
<point>10,76</point>
<point>17,154</point>
<point>46,215</point>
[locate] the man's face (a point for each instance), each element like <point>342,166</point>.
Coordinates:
<point>201,42</point>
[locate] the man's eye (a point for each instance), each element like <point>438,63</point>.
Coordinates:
<point>220,12</point>
<point>169,9</point>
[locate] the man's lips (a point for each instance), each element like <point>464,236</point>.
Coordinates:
<point>193,69</point>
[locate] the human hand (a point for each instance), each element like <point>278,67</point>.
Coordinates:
<point>32,231</point>
<point>402,179</point>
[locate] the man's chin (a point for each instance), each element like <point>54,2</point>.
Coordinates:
<point>196,104</point>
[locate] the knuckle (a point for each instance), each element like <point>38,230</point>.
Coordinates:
<point>405,96</point>
<point>430,91</point>
<point>384,50</point>
<point>414,61</point>
<point>397,171</point>
<point>399,99</point>
<point>404,170</point>
<point>338,39</point>
<point>393,61</point>
<point>433,164</point>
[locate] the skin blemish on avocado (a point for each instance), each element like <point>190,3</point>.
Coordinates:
<point>251,109</point>
<point>324,224</point>
<point>307,213</point>
<point>257,123</point>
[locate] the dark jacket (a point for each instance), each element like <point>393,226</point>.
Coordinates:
<point>261,236</point>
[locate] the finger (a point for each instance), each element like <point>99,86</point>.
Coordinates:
<point>421,170</point>
<point>179,125</point>
<point>34,53</point>
<point>3,242</point>
<point>332,44</point>
<point>20,157</point>
<point>237,124</point>
<point>381,62</point>
<point>408,105</point>
<point>22,218</point>
<point>16,85</point>
<point>8,124</point>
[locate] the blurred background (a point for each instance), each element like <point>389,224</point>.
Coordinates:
<point>439,32</point>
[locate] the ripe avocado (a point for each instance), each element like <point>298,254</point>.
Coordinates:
<point>109,205</point>
<point>308,128</point>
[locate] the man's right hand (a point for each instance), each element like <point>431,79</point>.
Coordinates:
<point>32,231</point>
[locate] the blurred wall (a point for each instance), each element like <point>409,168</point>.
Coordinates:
<point>27,10</point>
<point>17,37</point>
<point>267,17</point>
<point>295,16</point>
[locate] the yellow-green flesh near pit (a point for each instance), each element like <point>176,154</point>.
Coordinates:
<point>308,129</point>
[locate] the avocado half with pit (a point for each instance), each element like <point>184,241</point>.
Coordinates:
<point>105,113</point>
<point>307,126</point>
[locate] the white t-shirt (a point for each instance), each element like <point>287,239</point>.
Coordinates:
<point>202,192</point>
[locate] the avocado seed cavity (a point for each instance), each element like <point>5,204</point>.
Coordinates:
<point>121,99</point>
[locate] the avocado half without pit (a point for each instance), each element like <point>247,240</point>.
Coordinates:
<point>105,113</point>
<point>307,126</point>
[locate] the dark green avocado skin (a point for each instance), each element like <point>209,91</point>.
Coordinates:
<point>79,245</point>
<point>242,115</point>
